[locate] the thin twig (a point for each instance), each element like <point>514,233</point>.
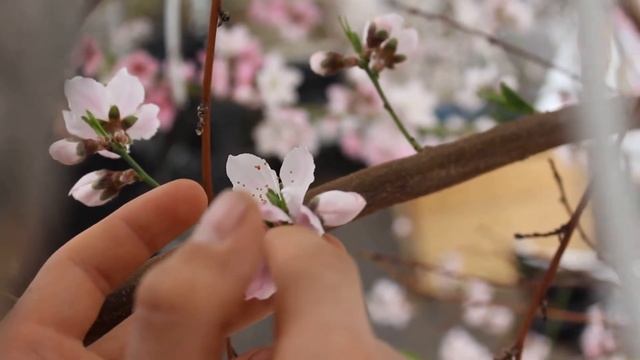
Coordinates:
<point>549,275</point>
<point>490,38</point>
<point>537,235</point>
<point>564,200</point>
<point>204,110</point>
<point>389,108</point>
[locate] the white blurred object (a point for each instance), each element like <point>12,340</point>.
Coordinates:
<point>388,304</point>
<point>173,44</point>
<point>458,344</point>
<point>402,226</point>
<point>277,82</point>
<point>536,347</point>
<point>282,130</point>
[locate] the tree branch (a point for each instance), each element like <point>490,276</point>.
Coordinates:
<point>429,171</point>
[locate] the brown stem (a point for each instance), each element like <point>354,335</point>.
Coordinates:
<point>564,200</point>
<point>205,127</point>
<point>490,38</point>
<point>541,291</point>
<point>429,171</point>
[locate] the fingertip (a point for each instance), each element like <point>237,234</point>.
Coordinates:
<point>191,193</point>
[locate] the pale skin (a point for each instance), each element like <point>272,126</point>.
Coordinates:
<point>188,304</point>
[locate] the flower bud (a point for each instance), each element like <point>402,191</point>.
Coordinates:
<point>327,63</point>
<point>99,187</point>
<point>336,208</point>
<point>73,151</point>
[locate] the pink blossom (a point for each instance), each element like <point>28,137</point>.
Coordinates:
<point>384,143</point>
<point>142,65</point>
<point>221,81</point>
<point>294,19</point>
<point>160,95</point>
<point>281,199</point>
<point>277,82</point>
<point>124,92</point>
<point>283,129</point>
<point>89,56</point>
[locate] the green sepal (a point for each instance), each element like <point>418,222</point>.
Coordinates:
<point>114,113</point>
<point>129,121</point>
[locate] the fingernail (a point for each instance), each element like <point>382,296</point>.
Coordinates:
<point>224,215</point>
<point>266,354</point>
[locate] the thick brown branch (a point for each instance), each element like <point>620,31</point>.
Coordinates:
<point>427,172</point>
<point>440,167</point>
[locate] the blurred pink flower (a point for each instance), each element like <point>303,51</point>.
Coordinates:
<point>294,19</point>
<point>89,56</point>
<point>388,305</point>
<point>284,129</point>
<point>384,143</point>
<point>160,94</point>
<point>597,341</point>
<point>459,344</point>
<point>141,64</point>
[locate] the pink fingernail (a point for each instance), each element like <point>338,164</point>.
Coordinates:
<point>224,215</point>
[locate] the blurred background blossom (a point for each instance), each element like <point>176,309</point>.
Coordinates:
<point>457,290</point>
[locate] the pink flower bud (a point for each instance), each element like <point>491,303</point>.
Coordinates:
<point>325,63</point>
<point>99,187</point>
<point>67,151</point>
<point>337,208</point>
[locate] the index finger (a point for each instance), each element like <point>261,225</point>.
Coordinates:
<point>70,288</point>
<point>319,294</point>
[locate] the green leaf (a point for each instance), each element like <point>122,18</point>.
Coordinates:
<point>506,104</point>
<point>352,36</point>
<point>516,101</point>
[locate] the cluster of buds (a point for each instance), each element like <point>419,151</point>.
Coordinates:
<point>387,43</point>
<point>104,120</point>
<point>384,44</point>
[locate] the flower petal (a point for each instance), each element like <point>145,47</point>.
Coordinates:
<point>147,124</point>
<point>307,218</point>
<point>65,151</point>
<point>85,94</point>
<point>390,22</point>
<point>76,126</point>
<point>108,154</point>
<point>337,208</point>
<point>296,174</point>
<point>407,41</point>
<point>262,286</point>
<point>274,214</point>
<point>253,175</point>
<point>126,92</point>
<point>85,192</point>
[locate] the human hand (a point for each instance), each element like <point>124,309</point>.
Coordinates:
<point>189,303</point>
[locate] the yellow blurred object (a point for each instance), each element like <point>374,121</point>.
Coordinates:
<point>477,220</point>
